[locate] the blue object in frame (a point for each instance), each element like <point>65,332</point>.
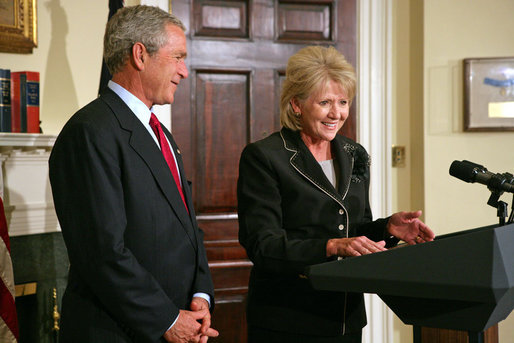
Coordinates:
<point>498,83</point>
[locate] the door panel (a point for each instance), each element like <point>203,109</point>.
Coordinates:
<point>237,54</point>
<point>222,100</point>
<point>308,22</point>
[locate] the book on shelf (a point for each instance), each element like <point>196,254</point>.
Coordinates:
<point>5,100</point>
<point>25,101</point>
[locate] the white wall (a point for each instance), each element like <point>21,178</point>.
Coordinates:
<point>428,114</point>
<point>455,30</point>
<point>68,57</point>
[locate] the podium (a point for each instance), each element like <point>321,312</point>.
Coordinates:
<point>459,281</point>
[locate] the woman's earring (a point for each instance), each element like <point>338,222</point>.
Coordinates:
<point>297,114</point>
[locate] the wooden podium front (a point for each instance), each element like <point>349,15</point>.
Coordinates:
<point>435,335</point>
<point>460,281</point>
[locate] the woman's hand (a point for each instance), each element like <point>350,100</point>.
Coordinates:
<point>407,227</point>
<point>354,246</point>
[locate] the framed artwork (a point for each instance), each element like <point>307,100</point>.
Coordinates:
<point>489,94</point>
<point>18,26</point>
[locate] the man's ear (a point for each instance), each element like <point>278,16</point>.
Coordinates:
<point>138,55</point>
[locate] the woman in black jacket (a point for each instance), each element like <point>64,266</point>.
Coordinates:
<point>303,200</point>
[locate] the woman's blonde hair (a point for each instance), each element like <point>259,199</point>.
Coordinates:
<point>307,72</point>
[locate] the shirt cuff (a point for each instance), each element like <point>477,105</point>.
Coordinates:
<point>204,296</point>
<point>200,295</point>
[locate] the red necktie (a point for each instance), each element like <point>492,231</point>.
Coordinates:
<point>166,151</point>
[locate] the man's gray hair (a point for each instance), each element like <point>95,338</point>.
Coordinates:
<point>145,24</point>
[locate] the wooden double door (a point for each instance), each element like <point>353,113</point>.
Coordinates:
<point>237,54</point>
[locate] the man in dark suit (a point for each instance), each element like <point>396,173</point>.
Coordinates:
<point>138,268</point>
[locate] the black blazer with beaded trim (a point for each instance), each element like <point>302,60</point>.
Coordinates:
<point>287,211</point>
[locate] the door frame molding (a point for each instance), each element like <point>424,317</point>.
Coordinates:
<point>375,132</point>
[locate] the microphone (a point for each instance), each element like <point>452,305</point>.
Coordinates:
<point>471,172</point>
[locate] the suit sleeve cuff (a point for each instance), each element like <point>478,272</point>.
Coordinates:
<point>173,322</point>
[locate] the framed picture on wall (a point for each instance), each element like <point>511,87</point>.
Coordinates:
<point>489,94</point>
<point>18,26</point>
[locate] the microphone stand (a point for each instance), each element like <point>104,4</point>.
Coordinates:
<point>501,207</point>
<point>511,217</point>
<point>502,212</point>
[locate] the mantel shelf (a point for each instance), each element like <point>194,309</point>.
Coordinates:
<point>26,139</point>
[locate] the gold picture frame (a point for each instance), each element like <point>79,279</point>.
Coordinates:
<point>489,94</point>
<point>18,26</point>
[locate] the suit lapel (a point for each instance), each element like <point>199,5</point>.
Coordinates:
<point>305,164</point>
<point>144,145</point>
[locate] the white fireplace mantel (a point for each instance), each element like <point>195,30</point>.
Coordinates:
<point>24,184</point>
